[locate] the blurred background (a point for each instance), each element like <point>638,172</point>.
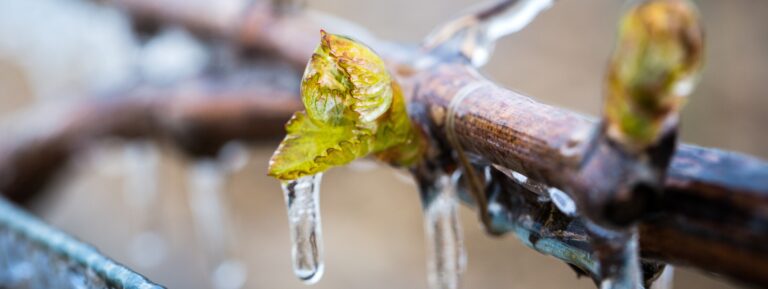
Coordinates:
<point>135,201</point>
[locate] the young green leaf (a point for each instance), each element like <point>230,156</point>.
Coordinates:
<point>655,64</point>
<point>353,108</point>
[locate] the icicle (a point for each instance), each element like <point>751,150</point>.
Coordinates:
<point>148,247</point>
<point>206,182</point>
<point>475,35</point>
<point>445,245</point>
<point>141,161</point>
<point>498,209</point>
<point>619,258</point>
<point>233,156</point>
<point>302,198</point>
<point>665,280</point>
<point>627,274</point>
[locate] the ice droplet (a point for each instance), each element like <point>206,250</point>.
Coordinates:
<point>445,245</point>
<point>562,201</point>
<point>302,198</point>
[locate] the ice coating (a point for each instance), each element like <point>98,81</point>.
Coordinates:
<point>475,35</point>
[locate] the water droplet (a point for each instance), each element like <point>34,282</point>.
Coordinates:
<point>445,245</point>
<point>302,198</point>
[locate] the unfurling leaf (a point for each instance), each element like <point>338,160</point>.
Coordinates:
<point>353,108</point>
<point>655,64</point>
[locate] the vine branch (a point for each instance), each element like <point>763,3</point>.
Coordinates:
<point>713,214</point>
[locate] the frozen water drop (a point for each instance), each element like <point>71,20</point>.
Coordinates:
<point>302,198</point>
<point>445,245</point>
<point>562,201</point>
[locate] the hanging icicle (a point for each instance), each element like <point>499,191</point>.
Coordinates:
<point>302,198</point>
<point>353,108</point>
<point>474,35</point>
<point>618,257</point>
<point>148,248</point>
<point>214,223</point>
<point>445,246</point>
<point>206,182</point>
<point>624,268</point>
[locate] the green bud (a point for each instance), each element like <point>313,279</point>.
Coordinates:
<point>656,63</point>
<point>353,108</point>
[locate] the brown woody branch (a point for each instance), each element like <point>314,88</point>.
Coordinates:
<point>713,213</point>
<point>198,122</point>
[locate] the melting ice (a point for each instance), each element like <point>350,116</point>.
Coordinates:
<point>302,198</point>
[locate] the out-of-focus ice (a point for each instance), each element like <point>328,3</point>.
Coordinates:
<point>68,49</point>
